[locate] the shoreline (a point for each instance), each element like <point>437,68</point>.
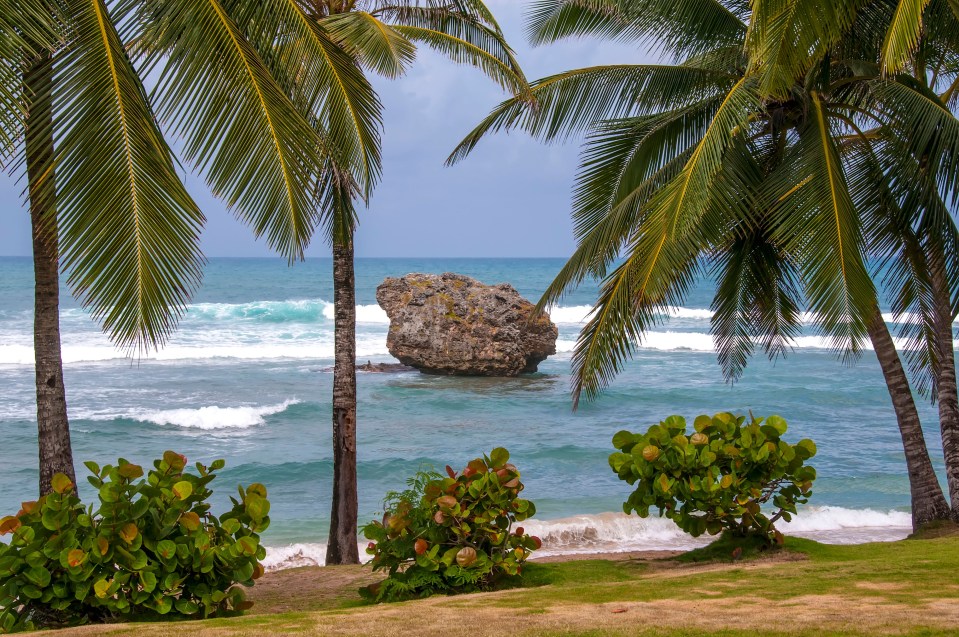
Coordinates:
<point>589,536</point>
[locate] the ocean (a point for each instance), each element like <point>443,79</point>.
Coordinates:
<point>247,378</point>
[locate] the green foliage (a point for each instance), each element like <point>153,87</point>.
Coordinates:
<point>718,478</point>
<point>151,548</point>
<point>450,534</point>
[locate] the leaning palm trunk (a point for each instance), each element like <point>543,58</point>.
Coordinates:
<point>342,547</point>
<point>928,502</point>
<point>53,428</point>
<point>946,389</point>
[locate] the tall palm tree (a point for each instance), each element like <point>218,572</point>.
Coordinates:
<point>749,160</point>
<point>918,45</point>
<point>107,204</point>
<point>382,36</point>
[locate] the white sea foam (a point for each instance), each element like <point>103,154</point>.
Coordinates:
<point>207,418</point>
<point>318,347</point>
<point>372,314</point>
<point>302,554</point>
<point>303,330</point>
<point>570,315</point>
<point>579,314</point>
<point>612,532</point>
<point>617,532</point>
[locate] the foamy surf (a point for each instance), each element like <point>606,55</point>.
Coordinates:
<point>303,330</point>
<point>618,532</point>
<point>621,533</point>
<point>303,554</point>
<point>207,418</point>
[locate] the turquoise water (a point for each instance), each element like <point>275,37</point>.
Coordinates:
<point>246,378</point>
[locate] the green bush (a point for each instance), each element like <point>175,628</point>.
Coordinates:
<point>721,477</point>
<point>450,534</point>
<point>152,548</point>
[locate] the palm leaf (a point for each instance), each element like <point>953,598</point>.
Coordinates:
<point>375,45</point>
<point>562,104</point>
<point>683,201</point>
<point>757,296</point>
<point>663,257</point>
<point>620,156</point>
<point>599,247</point>
<point>464,52</point>
<point>403,10</point>
<point>553,20</point>
<point>129,231</point>
<point>917,118</point>
<point>27,28</point>
<point>787,37</point>
<point>240,128</point>
<point>323,80</point>
<point>678,27</point>
<point>819,222</point>
<point>903,34</point>
<point>899,257</point>
<point>629,304</point>
<point>465,40</point>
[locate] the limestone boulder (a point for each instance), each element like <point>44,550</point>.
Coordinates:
<point>453,324</point>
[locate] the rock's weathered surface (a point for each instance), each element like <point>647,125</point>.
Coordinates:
<point>452,324</point>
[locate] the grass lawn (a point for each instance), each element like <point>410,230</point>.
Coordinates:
<point>900,588</point>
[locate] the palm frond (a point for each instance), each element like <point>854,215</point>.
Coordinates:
<point>787,37</point>
<point>903,34</point>
<point>899,257</point>
<point>620,156</point>
<point>757,297</point>
<point>474,10</point>
<point>562,104</point>
<point>375,45</point>
<point>683,201</point>
<point>322,79</point>
<point>465,40</point>
<point>631,300</point>
<point>553,20</point>
<point>464,52</point>
<point>600,243</point>
<point>678,27</point>
<point>916,118</point>
<point>129,231</point>
<point>240,128</point>
<point>819,222</point>
<point>27,28</point>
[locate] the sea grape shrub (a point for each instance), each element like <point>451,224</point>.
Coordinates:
<point>453,533</point>
<point>151,548</point>
<point>727,475</point>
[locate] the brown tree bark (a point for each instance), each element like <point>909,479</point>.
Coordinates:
<point>928,502</point>
<point>342,548</point>
<point>946,388</point>
<point>53,428</point>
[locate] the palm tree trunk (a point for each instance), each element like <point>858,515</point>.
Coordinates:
<point>53,428</point>
<point>342,547</point>
<point>946,388</point>
<point>928,502</point>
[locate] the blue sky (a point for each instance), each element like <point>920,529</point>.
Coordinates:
<point>509,198</point>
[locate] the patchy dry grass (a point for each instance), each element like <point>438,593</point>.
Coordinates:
<point>901,588</point>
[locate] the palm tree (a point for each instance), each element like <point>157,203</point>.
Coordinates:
<point>107,204</point>
<point>749,161</point>
<point>918,44</point>
<point>381,36</point>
